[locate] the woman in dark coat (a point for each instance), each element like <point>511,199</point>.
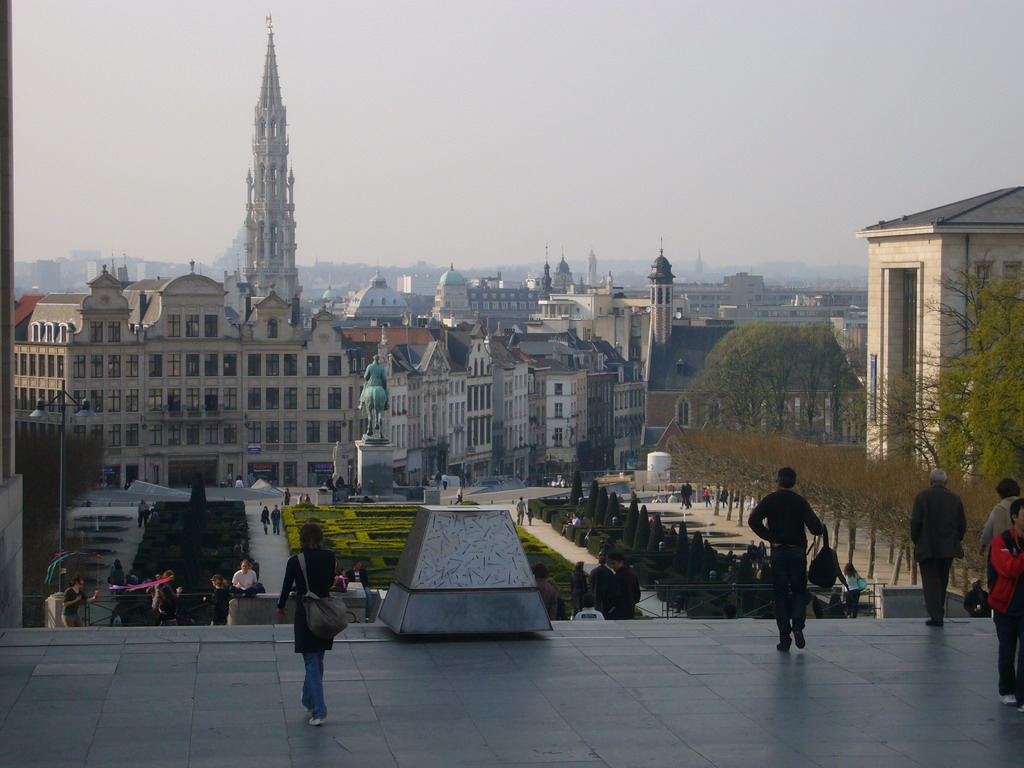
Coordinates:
<point>320,567</point>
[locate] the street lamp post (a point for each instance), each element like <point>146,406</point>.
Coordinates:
<point>62,400</point>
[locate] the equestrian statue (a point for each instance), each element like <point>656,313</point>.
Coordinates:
<point>374,399</point>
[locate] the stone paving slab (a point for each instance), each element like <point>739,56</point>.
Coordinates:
<point>655,693</point>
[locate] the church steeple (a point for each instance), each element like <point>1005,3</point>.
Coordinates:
<point>270,208</point>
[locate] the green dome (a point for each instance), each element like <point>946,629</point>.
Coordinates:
<point>329,294</point>
<point>451,277</point>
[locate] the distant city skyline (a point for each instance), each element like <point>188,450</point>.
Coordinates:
<point>479,133</point>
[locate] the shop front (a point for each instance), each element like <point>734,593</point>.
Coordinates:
<point>319,473</point>
<point>110,477</point>
<point>263,470</point>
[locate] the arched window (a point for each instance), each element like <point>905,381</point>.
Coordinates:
<point>263,128</point>
<point>35,331</point>
<point>271,329</point>
<point>683,413</point>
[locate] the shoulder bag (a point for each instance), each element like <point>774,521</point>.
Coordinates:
<point>824,568</point>
<point>324,616</point>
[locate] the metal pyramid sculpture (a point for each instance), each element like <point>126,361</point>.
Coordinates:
<point>463,571</point>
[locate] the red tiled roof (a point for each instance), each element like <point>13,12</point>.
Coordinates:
<point>24,306</point>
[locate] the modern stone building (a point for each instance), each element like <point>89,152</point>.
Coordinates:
<point>912,261</point>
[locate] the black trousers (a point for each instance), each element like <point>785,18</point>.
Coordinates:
<point>789,583</point>
<point>934,581</point>
<point>1010,632</point>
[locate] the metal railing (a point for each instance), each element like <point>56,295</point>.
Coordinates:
<point>699,600</point>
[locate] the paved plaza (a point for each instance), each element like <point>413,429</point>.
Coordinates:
<point>872,693</point>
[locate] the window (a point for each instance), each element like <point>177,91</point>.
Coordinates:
<point>313,365</point>
<point>291,365</point>
<point>312,431</point>
<point>173,399</point>
<point>254,399</point>
<point>273,431</point>
<point>174,326</point>
<point>556,436</point>
<point>230,434</point>
<point>210,326</point>
<point>131,435</point>
<point>291,398</point>
<point>114,401</point>
<point>312,398</point>
<point>192,400</point>
<point>95,366</point>
<point>558,389</point>
<point>334,398</point>
<point>273,401</point>
<point>192,364</point>
<point>273,365</point>
<point>1011,270</point>
<point>174,365</point>
<point>131,400</point>
<point>96,400</point>
<point>255,432</point>
<point>114,331</point>
<point>334,365</point>
<point>192,434</point>
<point>558,411</point>
<point>210,399</point>
<point>174,434</point>
<point>131,366</point>
<point>155,400</point>
<point>271,329</point>
<point>210,364</point>
<point>77,366</point>
<point>96,331</point>
<point>192,329</point>
<point>254,365</point>
<point>230,364</point>
<point>291,431</point>
<point>212,432</point>
<point>156,435</point>
<point>114,436</point>
<point>333,431</point>
<point>230,399</point>
<point>49,366</point>
<point>156,365</point>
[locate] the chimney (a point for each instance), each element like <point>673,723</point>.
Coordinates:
<point>296,318</point>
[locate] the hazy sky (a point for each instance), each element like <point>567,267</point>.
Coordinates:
<point>475,131</point>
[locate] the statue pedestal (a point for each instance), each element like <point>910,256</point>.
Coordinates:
<point>376,469</point>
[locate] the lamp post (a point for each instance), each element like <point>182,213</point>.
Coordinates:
<point>62,400</point>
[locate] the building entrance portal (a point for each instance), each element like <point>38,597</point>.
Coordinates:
<point>181,471</point>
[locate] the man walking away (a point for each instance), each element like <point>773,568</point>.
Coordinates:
<point>600,581</point>
<point>520,511</point>
<point>937,527</point>
<point>275,518</point>
<point>781,518</point>
<point>1006,565</point>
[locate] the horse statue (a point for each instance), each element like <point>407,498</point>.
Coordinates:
<point>374,399</point>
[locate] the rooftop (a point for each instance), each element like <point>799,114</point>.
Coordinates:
<point>868,692</point>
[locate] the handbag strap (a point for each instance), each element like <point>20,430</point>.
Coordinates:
<point>824,535</point>
<point>302,565</point>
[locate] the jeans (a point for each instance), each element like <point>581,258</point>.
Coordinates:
<point>369,602</point>
<point>1010,632</point>
<point>313,685</point>
<point>852,603</point>
<point>277,526</point>
<point>255,589</point>
<point>789,583</point>
<point>934,581</point>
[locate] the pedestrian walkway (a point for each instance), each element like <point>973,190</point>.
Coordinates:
<point>870,693</point>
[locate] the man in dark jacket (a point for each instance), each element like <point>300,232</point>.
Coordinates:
<point>624,592</point>
<point>600,581</point>
<point>937,527</point>
<point>781,518</point>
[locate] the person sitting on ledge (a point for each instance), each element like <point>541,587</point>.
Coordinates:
<point>244,582</point>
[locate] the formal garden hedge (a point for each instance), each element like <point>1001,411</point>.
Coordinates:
<point>376,534</point>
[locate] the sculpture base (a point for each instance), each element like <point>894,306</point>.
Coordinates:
<point>376,468</point>
<point>460,612</point>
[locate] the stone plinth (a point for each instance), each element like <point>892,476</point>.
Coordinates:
<point>376,468</point>
<point>463,571</point>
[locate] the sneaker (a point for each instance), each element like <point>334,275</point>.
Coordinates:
<point>798,635</point>
<point>784,642</point>
<point>1009,699</point>
<point>317,720</point>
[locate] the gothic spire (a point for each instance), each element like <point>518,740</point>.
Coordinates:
<point>270,91</point>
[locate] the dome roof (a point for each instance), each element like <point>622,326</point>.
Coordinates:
<point>451,277</point>
<point>377,300</point>
<point>330,294</point>
<point>661,269</point>
<point>563,268</point>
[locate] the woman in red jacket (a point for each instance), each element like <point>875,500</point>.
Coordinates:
<point>1006,596</point>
